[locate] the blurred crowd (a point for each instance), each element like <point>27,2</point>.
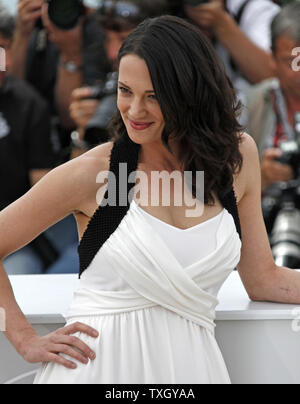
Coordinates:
<point>58,92</point>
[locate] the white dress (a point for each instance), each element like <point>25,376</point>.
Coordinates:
<point>151,293</point>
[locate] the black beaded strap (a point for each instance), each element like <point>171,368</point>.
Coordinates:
<point>107,217</point>
<point>229,202</point>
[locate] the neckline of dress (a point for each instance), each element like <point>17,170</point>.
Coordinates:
<point>175,227</point>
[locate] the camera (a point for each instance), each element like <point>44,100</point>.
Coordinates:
<point>281,208</point>
<point>97,129</point>
<point>291,149</point>
<point>65,14</point>
<point>108,88</point>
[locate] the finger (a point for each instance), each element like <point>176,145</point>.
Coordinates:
<point>45,17</point>
<point>200,12</point>
<point>280,173</point>
<point>286,173</point>
<point>82,117</point>
<point>85,112</point>
<point>272,170</point>
<point>54,358</point>
<point>272,154</point>
<point>281,168</point>
<point>81,93</point>
<point>88,105</point>
<point>205,22</point>
<point>203,12</point>
<point>32,16</point>
<point>81,113</point>
<point>79,327</point>
<point>275,173</point>
<point>67,350</point>
<point>75,342</point>
<point>79,120</point>
<point>85,115</point>
<point>29,6</point>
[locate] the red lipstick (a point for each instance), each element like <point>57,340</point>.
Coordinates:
<point>140,125</point>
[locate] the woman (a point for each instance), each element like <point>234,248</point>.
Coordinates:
<point>150,274</point>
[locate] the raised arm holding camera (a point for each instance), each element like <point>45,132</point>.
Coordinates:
<point>240,31</point>
<point>69,42</point>
<point>58,47</point>
<point>272,105</point>
<point>273,109</point>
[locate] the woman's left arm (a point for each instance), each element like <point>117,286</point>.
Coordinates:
<point>263,280</point>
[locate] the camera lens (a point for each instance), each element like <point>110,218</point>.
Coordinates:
<point>286,238</point>
<point>65,14</point>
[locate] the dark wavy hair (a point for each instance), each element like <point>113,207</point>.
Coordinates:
<point>196,97</point>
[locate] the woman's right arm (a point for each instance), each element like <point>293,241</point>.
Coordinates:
<point>61,192</point>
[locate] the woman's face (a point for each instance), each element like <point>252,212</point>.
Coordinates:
<point>137,103</point>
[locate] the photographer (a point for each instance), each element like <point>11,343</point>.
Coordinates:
<point>26,152</point>
<point>89,109</point>
<point>273,109</point>
<point>56,59</point>
<point>240,32</point>
<point>272,105</point>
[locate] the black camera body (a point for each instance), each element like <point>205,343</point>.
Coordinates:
<point>110,87</point>
<point>291,154</point>
<point>96,131</point>
<point>65,14</point>
<point>281,208</point>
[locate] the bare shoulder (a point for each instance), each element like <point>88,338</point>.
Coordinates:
<point>87,168</point>
<point>249,175</point>
<point>78,176</point>
<point>248,146</point>
<point>101,152</point>
<point>95,160</point>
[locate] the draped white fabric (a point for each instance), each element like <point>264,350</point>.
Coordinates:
<point>157,323</point>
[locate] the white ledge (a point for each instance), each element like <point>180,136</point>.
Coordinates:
<point>45,299</point>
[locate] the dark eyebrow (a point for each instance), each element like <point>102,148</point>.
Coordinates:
<point>122,84</point>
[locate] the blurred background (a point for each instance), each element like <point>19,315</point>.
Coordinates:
<point>11,5</point>
<point>61,81</point>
